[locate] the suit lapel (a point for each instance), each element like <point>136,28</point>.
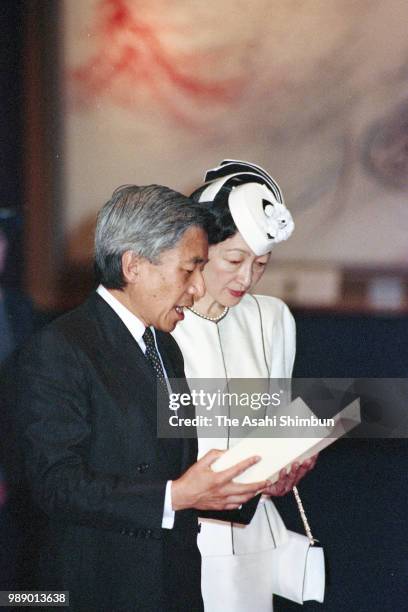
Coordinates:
<point>135,374</point>
<point>175,445</point>
<point>127,370</point>
<point>175,373</point>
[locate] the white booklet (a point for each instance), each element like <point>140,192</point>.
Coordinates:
<point>277,452</point>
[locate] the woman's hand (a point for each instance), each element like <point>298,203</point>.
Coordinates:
<point>288,480</point>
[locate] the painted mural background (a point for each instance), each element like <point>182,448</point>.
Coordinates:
<point>316,91</point>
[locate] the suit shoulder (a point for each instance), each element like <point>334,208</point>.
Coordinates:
<point>67,330</point>
<point>74,319</point>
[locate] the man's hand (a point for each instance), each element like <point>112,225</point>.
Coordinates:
<point>201,488</point>
<point>288,480</point>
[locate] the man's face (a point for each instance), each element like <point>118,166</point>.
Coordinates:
<point>162,290</point>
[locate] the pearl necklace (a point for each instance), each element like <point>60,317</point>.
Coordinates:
<point>213,319</point>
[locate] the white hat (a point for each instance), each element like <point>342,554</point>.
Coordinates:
<point>256,203</point>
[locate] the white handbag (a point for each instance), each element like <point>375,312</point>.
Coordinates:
<point>299,568</point>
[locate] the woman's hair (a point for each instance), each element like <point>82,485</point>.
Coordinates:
<point>219,223</point>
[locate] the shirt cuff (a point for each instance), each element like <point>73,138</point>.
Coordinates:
<point>168,512</point>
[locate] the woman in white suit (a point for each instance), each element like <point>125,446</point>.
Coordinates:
<point>230,333</point>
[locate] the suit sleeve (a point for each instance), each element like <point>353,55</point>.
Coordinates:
<point>54,411</point>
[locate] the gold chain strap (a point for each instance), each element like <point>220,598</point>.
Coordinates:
<point>303,516</point>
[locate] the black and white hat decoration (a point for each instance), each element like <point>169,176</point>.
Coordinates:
<point>256,203</point>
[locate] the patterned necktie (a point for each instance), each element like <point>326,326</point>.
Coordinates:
<point>153,356</point>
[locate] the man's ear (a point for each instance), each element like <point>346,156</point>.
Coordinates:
<point>130,266</point>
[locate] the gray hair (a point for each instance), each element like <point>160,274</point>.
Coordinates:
<point>147,220</point>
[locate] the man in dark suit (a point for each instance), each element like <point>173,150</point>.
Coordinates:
<point>120,504</point>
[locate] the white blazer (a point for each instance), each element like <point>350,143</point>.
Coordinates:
<point>256,339</point>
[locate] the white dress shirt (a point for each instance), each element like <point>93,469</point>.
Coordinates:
<point>137,329</point>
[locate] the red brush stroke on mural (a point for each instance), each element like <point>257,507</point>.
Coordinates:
<point>132,56</point>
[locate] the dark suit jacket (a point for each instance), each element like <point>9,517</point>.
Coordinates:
<point>87,416</point>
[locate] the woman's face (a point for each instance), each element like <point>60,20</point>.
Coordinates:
<point>232,270</point>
